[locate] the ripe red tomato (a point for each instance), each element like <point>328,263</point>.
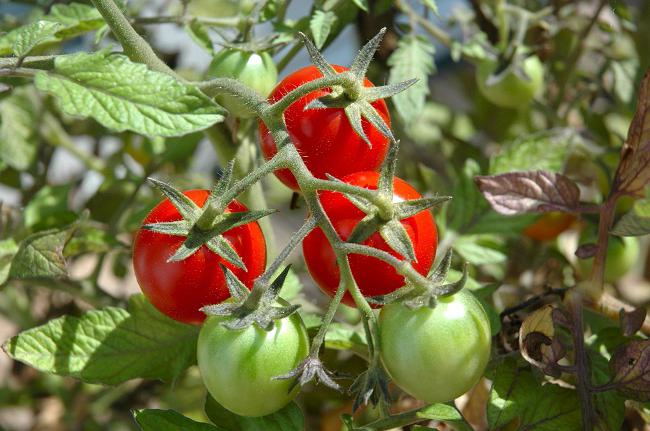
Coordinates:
<point>373,276</point>
<point>180,289</point>
<point>324,137</point>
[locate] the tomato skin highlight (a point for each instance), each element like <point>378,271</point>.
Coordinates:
<point>436,354</point>
<point>374,277</point>
<point>238,366</point>
<point>324,137</point>
<point>180,289</point>
<point>549,226</point>
<point>512,91</point>
<point>255,70</point>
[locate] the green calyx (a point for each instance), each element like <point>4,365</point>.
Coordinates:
<point>258,306</point>
<point>416,294</point>
<point>204,226</point>
<point>351,94</point>
<point>383,214</point>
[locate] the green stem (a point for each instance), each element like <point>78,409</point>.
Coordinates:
<point>295,240</point>
<point>135,47</point>
<point>18,72</point>
<point>232,87</point>
<point>319,338</point>
<point>276,109</point>
<point>402,267</point>
<point>45,62</point>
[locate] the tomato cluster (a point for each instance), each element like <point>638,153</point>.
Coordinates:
<point>415,344</point>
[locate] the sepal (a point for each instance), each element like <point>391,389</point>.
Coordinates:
<point>308,370</point>
<point>248,308</point>
<point>371,386</point>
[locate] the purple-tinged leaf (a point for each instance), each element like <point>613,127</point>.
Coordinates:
<point>534,191</point>
<point>632,321</point>
<point>630,367</point>
<point>633,172</point>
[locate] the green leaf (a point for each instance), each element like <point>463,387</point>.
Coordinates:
<point>547,151</point>
<point>8,249</point>
<point>77,18</point>
<point>71,19</point>
<point>479,249</point>
<point>169,420</point>
<point>321,25</point>
<point>635,222</point>
<point>122,95</point>
<point>515,394</point>
<point>290,418</point>
<point>413,58</point>
<point>18,136</point>
<point>49,208</point>
<point>342,337</point>
<point>200,35</point>
<point>109,345</point>
<point>41,255</point>
<point>625,83</point>
<point>445,413</point>
<point>90,238</point>
<point>31,35</point>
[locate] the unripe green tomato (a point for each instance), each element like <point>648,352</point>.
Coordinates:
<point>511,91</point>
<point>622,254</point>
<point>255,70</point>
<point>436,354</point>
<point>238,366</point>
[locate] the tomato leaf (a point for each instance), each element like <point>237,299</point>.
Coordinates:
<point>33,34</point>
<point>8,249</point>
<point>49,208</point>
<point>546,151</point>
<point>18,136</point>
<point>633,172</point>
<point>290,418</point>
<point>41,255</point>
<point>630,367</point>
<point>534,191</point>
<point>122,95</point>
<point>63,22</point>
<point>321,25</point>
<point>413,58</point>
<point>169,420</point>
<point>635,222</point>
<point>109,345</point>
<point>516,395</point>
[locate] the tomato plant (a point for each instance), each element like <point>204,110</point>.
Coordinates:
<point>102,99</point>
<point>373,276</point>
<point>511,90</point>
<point>180,289</point>
<point>238,367</point>
<point>324,137</point>
<point>436,354</point>
<point>256,70</point>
